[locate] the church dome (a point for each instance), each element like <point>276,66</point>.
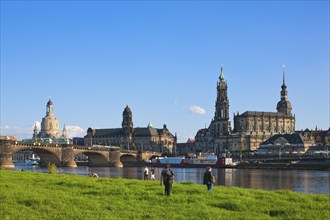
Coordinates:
<point>50,127</point>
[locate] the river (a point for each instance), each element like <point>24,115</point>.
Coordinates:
<point>301,181</point>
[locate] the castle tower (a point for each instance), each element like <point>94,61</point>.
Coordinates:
<point>127,125</point>
<point>220,123</point>
<point>49,126</point>
<point>284,105</point>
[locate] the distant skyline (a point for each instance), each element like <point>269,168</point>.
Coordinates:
<point>162,59</point>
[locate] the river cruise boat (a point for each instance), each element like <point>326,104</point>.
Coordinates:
<point>194,162</point>
<point>173,161</point>
<point>33,160</point>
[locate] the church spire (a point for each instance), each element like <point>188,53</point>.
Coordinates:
<point>284,92</point>
<point>284,105</point>
<point>222,76</point>
<point>283,85</point>
<point>283,67</point>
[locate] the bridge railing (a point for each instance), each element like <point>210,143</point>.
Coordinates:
<point>35,144</point>
<point>129,151</point>
<point>135,151</point>
<point>90,148</point>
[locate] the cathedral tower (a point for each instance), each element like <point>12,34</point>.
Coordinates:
<point>284,105</point>
<point>220,123</point>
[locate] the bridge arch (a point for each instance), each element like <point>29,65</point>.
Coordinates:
<point>95,159</point>
<point>46,156</point>
<point>128,159</point>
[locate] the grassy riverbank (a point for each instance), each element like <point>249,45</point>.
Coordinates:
<point>31,195</point>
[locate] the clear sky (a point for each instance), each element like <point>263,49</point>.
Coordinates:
<point>162,59</point>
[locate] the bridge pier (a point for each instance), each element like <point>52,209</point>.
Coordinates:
<point>67,156</point>
<point>71,164</point>
<point>6,156</point>
<point>117,164</point>
<point>114,159</point>
<point>7,164</point>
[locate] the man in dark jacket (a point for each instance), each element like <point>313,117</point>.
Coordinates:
<point>167,178</point>
<point>209,179</point>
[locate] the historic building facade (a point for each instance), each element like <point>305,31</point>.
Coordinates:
<point>316,137</point>
<point>250,128</point>
<point>130,138</point>
<point>50,127</point>
<point>297,143</point>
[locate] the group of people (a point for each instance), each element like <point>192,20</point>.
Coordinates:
<point>146,174</point>
<point>167,178</point>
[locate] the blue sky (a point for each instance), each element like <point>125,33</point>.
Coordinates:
<point>162,59</point>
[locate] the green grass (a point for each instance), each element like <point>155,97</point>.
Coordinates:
<point>31,195</point>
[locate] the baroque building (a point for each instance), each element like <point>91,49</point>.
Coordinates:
<point>250,128</point>
<point>130,138</point>
<point>297,143</point>
<point>316,137</point>
<point>50,127</point>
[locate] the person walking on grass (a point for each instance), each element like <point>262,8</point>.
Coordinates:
<point>167,178</point>
<point>152,171</point>
<point>209,179</point>
<point>145,173</point>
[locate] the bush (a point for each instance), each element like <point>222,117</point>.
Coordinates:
<point>51,167</point>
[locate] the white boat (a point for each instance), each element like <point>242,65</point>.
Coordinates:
<point>200,161</point>
<point>173,161</point>
<point>32,161</point>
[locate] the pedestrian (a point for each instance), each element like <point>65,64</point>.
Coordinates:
<point>152,171</point>
<point>145,173</point>
<point>209,179</point>
<point>167,178</point>
<point>95,175</point>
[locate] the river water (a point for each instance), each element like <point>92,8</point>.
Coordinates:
<point>301,181</point>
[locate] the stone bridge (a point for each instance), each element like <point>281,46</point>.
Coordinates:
<point>64,154</point>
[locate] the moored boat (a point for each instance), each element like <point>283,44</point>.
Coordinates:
<point>173,161</point>
<point>195,162</point>
<point>211,161</point>
<point>32,161</point>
